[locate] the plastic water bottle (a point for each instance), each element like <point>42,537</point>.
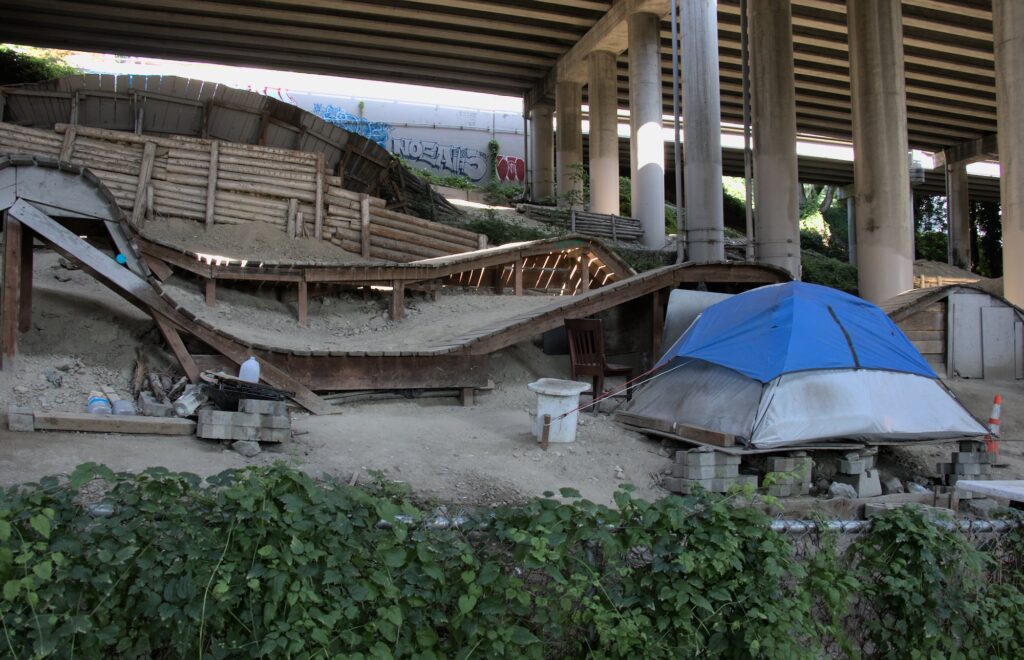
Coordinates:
<point>123,407</point>
<point>188,402</point>
<point>250,371</point>
<point>99,404</point>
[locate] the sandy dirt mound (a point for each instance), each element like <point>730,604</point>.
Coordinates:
<point>254,242</point>
<point>348,322</point>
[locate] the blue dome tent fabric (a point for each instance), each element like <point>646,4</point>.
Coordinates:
<point>796,364</point>
<point>796,326</point>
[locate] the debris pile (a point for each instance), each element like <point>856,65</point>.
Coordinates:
<point>971,463</point>
<point>857,469</point>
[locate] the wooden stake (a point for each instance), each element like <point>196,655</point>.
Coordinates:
<point>545,432</point>
<point>518,277</point>
<point>364,224</point>
<point>145,173</point>
<point>211,182</point>
<point>177,346</point>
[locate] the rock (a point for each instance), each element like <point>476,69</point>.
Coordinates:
<point>914,487</point>
<point>821,485</point>
<point>54,378</point>
<point>619,473</point>
<point>247,448</point>
<point>840,490</point>
<point>61,276</point>
<point>892,486</point>
<point>67,265</point>
<point>21,389</point>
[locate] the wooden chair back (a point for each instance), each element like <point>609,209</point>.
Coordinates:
<point>586,345</point>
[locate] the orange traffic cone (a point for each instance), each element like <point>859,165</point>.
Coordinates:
<point>992,439</point>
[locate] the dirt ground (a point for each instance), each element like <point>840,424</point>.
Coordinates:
<point>83,336</point>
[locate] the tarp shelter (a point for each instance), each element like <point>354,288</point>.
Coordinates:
<point>796,363</point>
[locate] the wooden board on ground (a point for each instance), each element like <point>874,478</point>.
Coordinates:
<point>137,424</point>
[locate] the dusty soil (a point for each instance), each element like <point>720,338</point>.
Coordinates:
<point>86,336</point>
<point>347,321</point>
<point>258,242</point>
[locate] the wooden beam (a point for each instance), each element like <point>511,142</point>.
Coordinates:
<point>303,303</point>
<point>318,224</point>
<point>397,300</point>
<point>25,295</point>
<point>518,277</point>
<point>658,299</point>
<point>211,182</point>
<point>145,173</point>
<point>211,292</point>
<point>177,346</point>
<point>67,148</point>
<point>136,424</point>
<point>158,266</point>
<point>9,306</point>
<point>364,225</point>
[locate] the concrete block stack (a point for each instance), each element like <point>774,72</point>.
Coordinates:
<point>790,475</point>
<point>705,469</point>
<point>255,421</point>
<point>858,469</point>
<point>971,463</point>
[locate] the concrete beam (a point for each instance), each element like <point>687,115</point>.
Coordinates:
<point>1008,21</point>
<point>610,33</point>
<point>984,148</point>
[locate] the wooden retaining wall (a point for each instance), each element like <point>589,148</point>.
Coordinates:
<point>217,182</point>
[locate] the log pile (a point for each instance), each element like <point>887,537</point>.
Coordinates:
<point>585,223</point>
<point>210,181</point>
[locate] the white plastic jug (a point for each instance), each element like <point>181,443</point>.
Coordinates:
<point>250,371</point>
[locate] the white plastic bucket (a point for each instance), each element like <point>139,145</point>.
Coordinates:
<point>557,397</point>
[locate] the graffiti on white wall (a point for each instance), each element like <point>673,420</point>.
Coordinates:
<point>377,131</point>
<point>446,158</point>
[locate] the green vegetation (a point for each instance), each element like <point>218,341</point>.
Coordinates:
<point>267,562</point>
<point>499,232</point>
<point>451,181</point>
<point>827,271</point>
<point>19,64</point>
<point>642,260</point>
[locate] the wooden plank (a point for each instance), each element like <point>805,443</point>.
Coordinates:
<point>211,182</point>
<point>931,347</point>
<point>9,306</point>
<point>924,321</point>
<point>158,266</point>
<point>137,424</point>
<point>177,346</point>
<point>682,431</point>
<point>211,292</point>
<point>318,224</point>
<point>25,295</point>
<point>145,173</point>
<point>67,148</point>
<point>926,335</point>
<point>364,224</point>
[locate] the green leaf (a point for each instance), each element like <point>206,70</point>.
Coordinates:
<point>41,524</point>
<point>5,530</point>
<point>266,551</point>
<point>394,557</point>
<point>11,589</point>
<point>466,603</point>
<point>220,588</point>
<point>434,571</point>
<point>569,493</point>
<point>522,636</point>
<point>43,570</point>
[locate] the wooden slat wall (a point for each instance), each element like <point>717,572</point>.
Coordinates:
<point>926,329</point>
<point>250,183</point>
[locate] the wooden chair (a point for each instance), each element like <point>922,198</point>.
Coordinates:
<point>586,354</point>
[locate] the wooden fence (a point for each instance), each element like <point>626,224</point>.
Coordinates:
<point>217,182</point>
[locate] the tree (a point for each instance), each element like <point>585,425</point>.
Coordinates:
<point>32,65</point>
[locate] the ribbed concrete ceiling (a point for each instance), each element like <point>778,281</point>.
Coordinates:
<point>508,47</point>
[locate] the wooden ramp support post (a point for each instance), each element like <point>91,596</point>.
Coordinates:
<point>211,292</point>
<point>397,300</point>
<point>9,304</point>
<point>25,277</point>
<point>303,303</point>
<point>518,277</point>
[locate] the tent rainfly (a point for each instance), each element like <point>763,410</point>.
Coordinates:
<point>795,363</point>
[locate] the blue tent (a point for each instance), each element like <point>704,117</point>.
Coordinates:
<point>795,363</point>
<point>796,326</point>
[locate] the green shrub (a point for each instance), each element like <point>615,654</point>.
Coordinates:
<point>819,269</point>
<point>499,232</point>
<point>267,562</point>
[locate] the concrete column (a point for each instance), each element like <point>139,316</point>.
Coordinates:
<point>1008,26</point>
<point>958,212</point>
<point>602,92</point>
<point>569,156</point>
<point>776,180</point>
<point>542,152</point>
<point>885,235</point>
<point>702,133</point>
<point>645,136</point>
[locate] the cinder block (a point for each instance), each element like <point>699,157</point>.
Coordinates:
<point>802,467</point>
<point>963,458</point>
<point>721,485</point>
<point>261,407</point>
<point>275,435</point>
<point>745,479</point>
<point>251,433</point>
<point>967,469</point>
<point>726,459</point>
<point>727,471</point>
<point>150,407</point>
<point>944,468</point>
<point>869,462</point>
<point>780,490</point>
<point>782,478</point>
<point>246,419</point>
<point>20,419</point>
<point>867,483</point>
<point>685,471</point>
<point>781,464</point>
<point>971,445</point>
<point>698,458</point>
<point>275,421</point>
<point>214,431</point>
<point>690,485</point>
<point>672,484</point>
<point>852,467</point>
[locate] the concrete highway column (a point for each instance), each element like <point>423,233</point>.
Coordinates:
<point>885,241</point>
<point>702,132</point>
<point>776,180</point>
<point>569,155</point>
<point>645,136</point>
<point>602,92</point>
<point>1008,26</point>
<point>958,211</point>
<point>542,152</point>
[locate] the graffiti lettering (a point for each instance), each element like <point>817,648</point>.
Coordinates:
<point>377,131</point>
<point>443,157</point>
<point>511,169</point>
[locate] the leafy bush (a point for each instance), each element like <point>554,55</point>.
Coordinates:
<point>499,232</point>
<point>268,562</point>
<point>819,269</point>
<point>31,65</point>
<point>932,245</point>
